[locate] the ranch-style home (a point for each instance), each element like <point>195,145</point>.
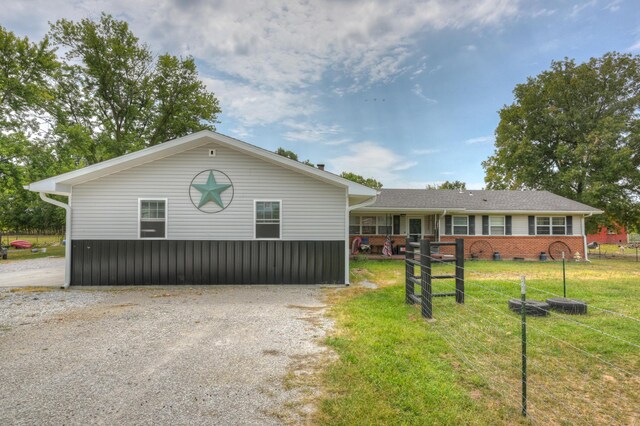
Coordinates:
<point>210,209</point>
<point>512,224</point>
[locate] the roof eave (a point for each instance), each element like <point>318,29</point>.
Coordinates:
<point>64,182</point>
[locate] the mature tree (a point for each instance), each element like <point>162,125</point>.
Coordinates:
<point>107,96</point>
<point>113,98</point>
<point>293,156</point>
<point>26,71</point>
<point>370,182</point>
<point>456,184</point>
<point>286,153</point>
<point>575,130</point>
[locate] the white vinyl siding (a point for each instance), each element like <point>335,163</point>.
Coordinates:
<point>107,208</point>
<point>519,224</point>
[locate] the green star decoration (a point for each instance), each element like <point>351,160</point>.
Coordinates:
<point>211,190</point>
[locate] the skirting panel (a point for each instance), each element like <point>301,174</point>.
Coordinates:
<point>167,262</point>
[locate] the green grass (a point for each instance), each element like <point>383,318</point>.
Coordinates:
<point>53,244</point>
<point>464,367</point>
<point>36,240</point>
<point>23,254</point>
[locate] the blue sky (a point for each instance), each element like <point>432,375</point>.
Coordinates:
<point>406,92</point>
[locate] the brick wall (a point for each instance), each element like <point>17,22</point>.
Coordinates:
<point>528,247</point>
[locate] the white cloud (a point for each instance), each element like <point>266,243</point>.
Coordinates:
<point>417,90</point>
<point>543,12</point>
<point>577,8</point>
<point>480,139</point>
<point>370,159</point>
<point>614,6</point>
<point>314,133</point>
<point>252,105</point>
<point>636,46</point>
<point>274,52</point>
<point>471,47</point>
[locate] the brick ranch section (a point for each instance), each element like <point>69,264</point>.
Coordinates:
<point>509,247</point>
<point>527,247</point>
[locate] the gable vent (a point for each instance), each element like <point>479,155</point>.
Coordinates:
<point>212,153</point>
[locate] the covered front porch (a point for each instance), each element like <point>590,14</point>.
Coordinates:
<point>368,231</point>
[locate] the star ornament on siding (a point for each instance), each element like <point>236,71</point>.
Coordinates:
<point>211,190</point>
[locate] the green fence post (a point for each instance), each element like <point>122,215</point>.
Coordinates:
<point>523,312</point>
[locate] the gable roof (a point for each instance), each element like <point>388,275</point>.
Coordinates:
<point>477,201</point>
<point>63,183</point>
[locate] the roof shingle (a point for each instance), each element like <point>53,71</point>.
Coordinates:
<point>478,200</point>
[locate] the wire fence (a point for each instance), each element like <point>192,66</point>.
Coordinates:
<point>580,369</point>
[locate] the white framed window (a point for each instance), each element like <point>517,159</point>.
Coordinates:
<point>460,225</point>
<point>551,225</point>
<point>152,218</point>
<point>268,216</point>
<point>384,225</point>
<point>370,225</point>
<point>354,225</point>
<point>496,225</point>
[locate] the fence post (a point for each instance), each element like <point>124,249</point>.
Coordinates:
<point>459,270</point>
<point>523,311</point>
<point>409,271</point>
<point>425,279</point>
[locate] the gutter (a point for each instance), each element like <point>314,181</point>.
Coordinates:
<point>67,247</point>
<point>364,203</point>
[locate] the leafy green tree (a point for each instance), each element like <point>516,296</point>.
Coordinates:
<point>370,182</point>
<point>456,184</point>
<point>26,71</point>
<point>286,153</point>
<point>107,95</point>
<point>575,130</point>
<point>293,156</point>
<point>113,98</point>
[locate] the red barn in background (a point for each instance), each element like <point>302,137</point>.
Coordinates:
<point>609,236</point>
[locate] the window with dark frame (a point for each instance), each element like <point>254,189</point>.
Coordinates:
<point>153,218</point>
<point>460,225</point>
<point>551,225</point>
<point>496,225</point>
<point>268,219</point>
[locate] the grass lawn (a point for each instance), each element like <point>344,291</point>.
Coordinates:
<point>22,254</point>
<point>53,244</point>
<point>464,367</point>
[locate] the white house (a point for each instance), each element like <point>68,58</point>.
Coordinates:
<point>205,209</point>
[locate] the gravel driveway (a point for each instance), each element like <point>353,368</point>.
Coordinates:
<point>170,355</point>
<point>46,271</point>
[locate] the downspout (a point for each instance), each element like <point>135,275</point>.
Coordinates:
<point>346,232</point>
<point>444,213</point>
<point>67,247</point>
<point>584,238</point>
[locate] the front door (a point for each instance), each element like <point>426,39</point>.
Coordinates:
<point>415,228</point>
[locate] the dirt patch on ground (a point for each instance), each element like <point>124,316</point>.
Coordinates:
<point>210,355</point>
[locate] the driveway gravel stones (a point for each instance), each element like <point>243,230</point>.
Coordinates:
<point>169,355</point>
